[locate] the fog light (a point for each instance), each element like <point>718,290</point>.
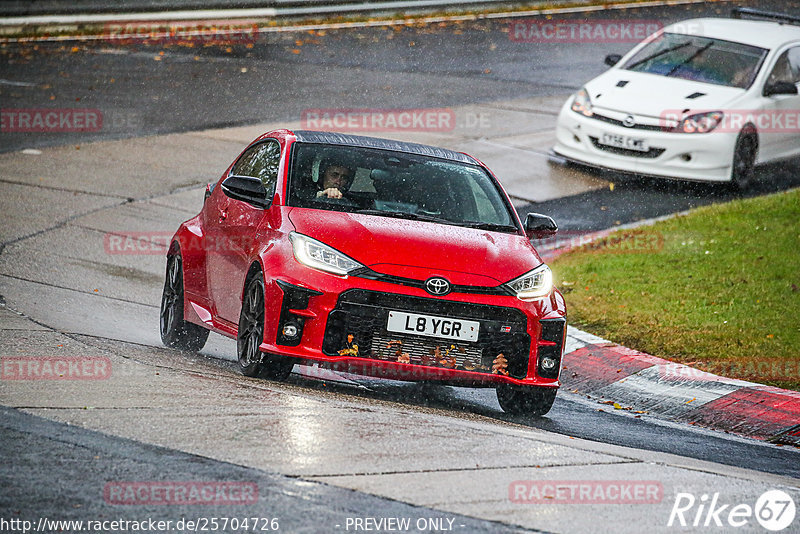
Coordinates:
<point>548,364</point>
<point>290,331</point>
<point>686,157</point>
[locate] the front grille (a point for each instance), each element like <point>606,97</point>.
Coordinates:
<point>369,274</point>
<point>360,319</point>
<point>422,351</point>
<point>650,154</point>
<point>637,126</point>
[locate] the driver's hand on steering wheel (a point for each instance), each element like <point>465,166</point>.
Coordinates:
<point>331,192</point>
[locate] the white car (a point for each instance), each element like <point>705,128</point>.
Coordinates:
<point>704,99</point>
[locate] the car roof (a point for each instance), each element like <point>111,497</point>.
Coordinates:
<point>760,33</point>
<point>334,138</point>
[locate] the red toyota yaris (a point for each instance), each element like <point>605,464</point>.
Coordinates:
<point>377,257</point>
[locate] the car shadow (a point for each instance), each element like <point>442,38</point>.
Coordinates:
<point>467,401</point>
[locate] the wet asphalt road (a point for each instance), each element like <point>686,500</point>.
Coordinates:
<point>580,417</point>
<point>81,463</point>
<point>84,462</point>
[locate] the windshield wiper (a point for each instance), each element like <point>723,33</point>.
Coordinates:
<point>659,53</point>
<point>690,58</point>
<point>494,227</point>
<point>405,215</point>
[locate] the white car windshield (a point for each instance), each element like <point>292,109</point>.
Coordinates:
<point>396,184</point>
<point>700,59</point>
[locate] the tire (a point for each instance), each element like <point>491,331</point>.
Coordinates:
<point>744,157</point>
<point>175,331</point>
<point>525,400</point>
<point>253,362</point>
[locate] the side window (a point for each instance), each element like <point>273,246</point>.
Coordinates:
<point>260,161</point>
<point>787,68</point>
<point>794,63</point>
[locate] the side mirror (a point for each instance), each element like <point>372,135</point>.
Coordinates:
<point>538,226</point>
<point>780,88</point>
<point>247,189</point>
<point>612,59</point>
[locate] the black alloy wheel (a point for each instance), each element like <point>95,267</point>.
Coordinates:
<point>252,361</point>
<point>744,158</point>
<point>176,332</point>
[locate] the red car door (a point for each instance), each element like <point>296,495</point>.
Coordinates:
<point>234,229</point>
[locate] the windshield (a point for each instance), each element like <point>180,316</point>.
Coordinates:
<point>700,59</point>
<point>396,184</point>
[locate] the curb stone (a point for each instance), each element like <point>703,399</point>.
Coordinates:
<point>639,382</point>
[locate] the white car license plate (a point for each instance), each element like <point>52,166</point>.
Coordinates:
<point>428,325</point>
<point>623,141</point>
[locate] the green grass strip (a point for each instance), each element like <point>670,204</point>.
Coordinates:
<point>718,288</point>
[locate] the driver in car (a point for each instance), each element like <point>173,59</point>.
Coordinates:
<point>336,179</point>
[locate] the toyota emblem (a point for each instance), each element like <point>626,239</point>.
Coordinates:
<point>437,286</point>
<point>629,121</point>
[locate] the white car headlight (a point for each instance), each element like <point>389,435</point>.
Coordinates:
<point>699,123</point>
<point>581,103</point>
<point>317,255</point>
<point>534,284</point>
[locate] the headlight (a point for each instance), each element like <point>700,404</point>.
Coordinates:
<point>535,284</point>
<point>317,255</point>
<point>581,103</point>
<point>699,123</point>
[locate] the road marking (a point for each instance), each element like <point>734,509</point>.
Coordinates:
<point>17,84</point>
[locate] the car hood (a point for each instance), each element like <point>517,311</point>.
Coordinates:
<point>652,94</point>
<point>418,249</point>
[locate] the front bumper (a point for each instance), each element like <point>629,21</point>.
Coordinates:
<point>342,323</point>
<point>697,157</point>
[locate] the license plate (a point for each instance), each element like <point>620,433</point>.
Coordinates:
<point>428,325</point>
<point>623,141</point>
